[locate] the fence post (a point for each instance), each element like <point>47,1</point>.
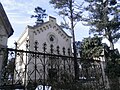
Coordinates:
<point>44,49</point>
<point>36,49</point>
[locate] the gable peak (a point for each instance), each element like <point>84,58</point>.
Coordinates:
<point>52,19</point>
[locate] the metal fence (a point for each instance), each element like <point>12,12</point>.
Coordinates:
<point>33,70</point>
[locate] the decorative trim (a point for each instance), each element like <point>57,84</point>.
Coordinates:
<point>52,38</point>
<point>44,28</point>
<point>35,32</point>
<point>47,26</point>
<point>57,29</point>
<point>64,37</point>
<point>38,31</point>
<point>59,32</point>
<point>67,39</point>
<point>50,25</point>
<point>54,27</point>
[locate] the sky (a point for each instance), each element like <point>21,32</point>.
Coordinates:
<point>19,14</point>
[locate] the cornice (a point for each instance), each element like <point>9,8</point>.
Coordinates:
<point>55,27</point>
<point>5,21</point>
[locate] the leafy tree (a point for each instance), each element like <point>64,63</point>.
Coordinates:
<point>112,69</point>
<point>40,15</point>
<point>70,11</point>
<point>104,19</point>
<point>91,47</point>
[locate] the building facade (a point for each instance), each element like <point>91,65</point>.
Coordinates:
<point>44,38</point>
<point>6,31</point>
<point>49,32</point>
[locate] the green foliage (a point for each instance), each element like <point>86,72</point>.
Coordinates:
<point>40,15</point>
<point>91,47</point>
<point>59,3</point>
<point>69,10</point>
<point>104,19</point>
<point>113,64</point>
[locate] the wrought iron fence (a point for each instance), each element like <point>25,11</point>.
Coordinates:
<point>33,70</point>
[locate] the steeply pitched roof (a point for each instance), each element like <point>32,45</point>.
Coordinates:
<point>5,21</point>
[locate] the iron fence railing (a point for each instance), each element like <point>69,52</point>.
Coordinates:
<point>33,70</point>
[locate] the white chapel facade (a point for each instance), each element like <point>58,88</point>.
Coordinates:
<point>49,32</point>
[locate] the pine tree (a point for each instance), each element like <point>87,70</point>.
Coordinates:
<point>40,15</point>
<point>71,11</point>
<point>104,19</point>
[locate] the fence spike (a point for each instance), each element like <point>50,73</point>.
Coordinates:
<point>36,45</point>
<point>69,51</point>
<point>63,50</point>
<point>58,51</point>
<point>51,48</point>
<point>44,47</point>
<point>27,44</point>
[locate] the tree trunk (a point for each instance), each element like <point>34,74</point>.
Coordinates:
<point>111,45</point>
<point>76,68</point>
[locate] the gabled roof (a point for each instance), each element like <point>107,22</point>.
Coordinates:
<point>36,26</point>
<point>5,21</point>
<point>64,31</point>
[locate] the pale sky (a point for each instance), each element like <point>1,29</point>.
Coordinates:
<point>19,13</point>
